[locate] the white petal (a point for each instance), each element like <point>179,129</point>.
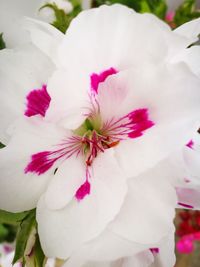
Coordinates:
<point>67,180</point>
<point>118,42</point>
<point>11,13</point>
<point>20,191</point>
<point>63,231</point>
<point>32,71</point>
<point>173,127</point>
<point>142,259</point>
<point>68,103</point>
<point>191,56</point>
<point>149,208</point>
<point>166,256</point>
<point>190,30</point>
<point>189,198</point>
<point>45,36</point>
<point>189,190</point>
<point>106,247</point>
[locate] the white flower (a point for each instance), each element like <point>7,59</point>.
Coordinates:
<point>88,143</point>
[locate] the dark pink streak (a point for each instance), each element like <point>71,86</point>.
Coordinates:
<point>190,144</point>
<point>139,122</point>
<point>40,163</point>
<point>185,205</point>
<point>96,79</point>
<point>154,250</point>
<point>83,190</point>
<point>38,101</point>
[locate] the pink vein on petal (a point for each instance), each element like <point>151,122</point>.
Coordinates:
<point>38,101</point>
<point>96,79</point>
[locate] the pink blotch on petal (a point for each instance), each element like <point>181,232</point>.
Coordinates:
<point>154,250</point>
<point>190,144</point>
<point>139,122</point>
<point>38,101</point>
<point>40,163</point>
<point>96,79</point>
<point>83,190</point>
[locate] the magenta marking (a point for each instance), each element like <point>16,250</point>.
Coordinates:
<point>38,101</point>
<point>40,163</point>
<point>190,144</point>
<point>185,205</point>
<point>154,250</point>
<point>138,122</point>
<point>83,190</point>
<point>131,125</point>
<point>96,79</point>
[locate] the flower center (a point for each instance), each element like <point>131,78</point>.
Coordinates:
<point>92,137</point>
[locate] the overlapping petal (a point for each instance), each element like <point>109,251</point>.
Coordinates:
<point>148,210</point>
<point>22,191</point>
<point>84,220</point>
<point>21,70</point>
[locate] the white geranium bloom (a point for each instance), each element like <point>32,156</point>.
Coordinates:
<point>86,146</point>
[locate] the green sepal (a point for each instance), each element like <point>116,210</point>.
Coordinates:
<point>12,218</point>
<point>27,225</point>
<point>63,20</point>
<point>2,43</point>
<point>36,257</point>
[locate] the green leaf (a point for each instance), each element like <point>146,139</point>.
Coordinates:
<point>24,232</point>
<point>2,43</point>
<point>130,3</point>
<point>144,7</point>
<point>7,233</point>
<point>157,7</point>
<point>12,218</point>
<point>186,12</point>
<point>3,232</point>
